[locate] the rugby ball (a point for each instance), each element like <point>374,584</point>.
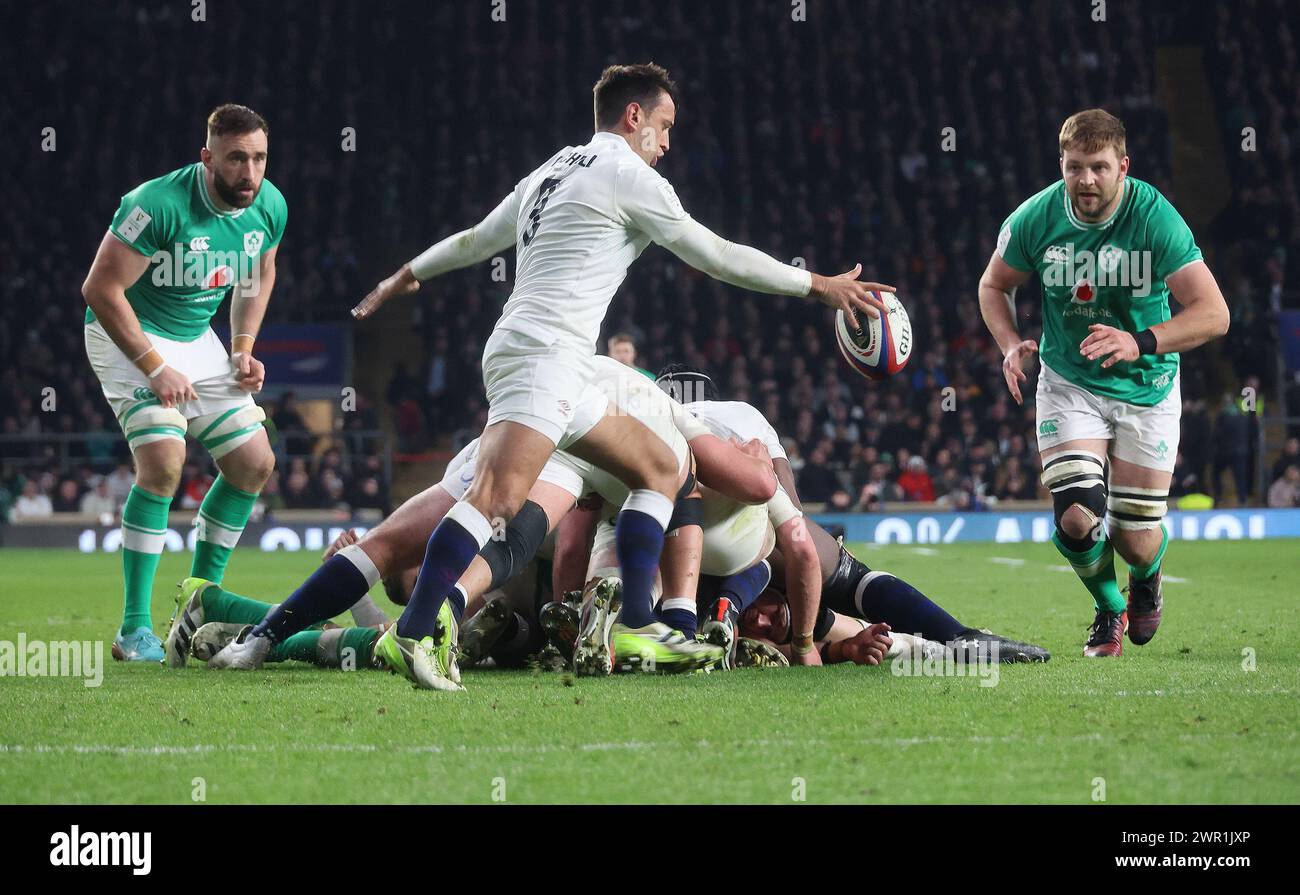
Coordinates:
<point>883,345</point>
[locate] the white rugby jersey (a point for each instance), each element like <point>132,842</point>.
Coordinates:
<point>727,419</point>
<point>583,218</point>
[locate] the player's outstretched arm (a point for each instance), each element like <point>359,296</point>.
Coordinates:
<point>997,306</point>
<point>115,268</point>
<point>1204,317</point>
<point>751,269</point>
<point>491,236</point>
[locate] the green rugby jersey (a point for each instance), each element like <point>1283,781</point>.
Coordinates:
<point>1112,272</point>
<point>197,252</point>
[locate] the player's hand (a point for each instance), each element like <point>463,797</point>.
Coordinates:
<point>172,387</point>
<point>401,283</point>
<point>849,294</point>
<point>1013,367</point>
<point>249,371</point>
<point>1113,344</point>
<point>346,539</point>
<point>869,646</point>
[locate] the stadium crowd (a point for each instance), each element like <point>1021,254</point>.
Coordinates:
<point>854,168</point>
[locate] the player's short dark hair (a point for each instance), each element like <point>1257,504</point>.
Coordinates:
<point>623,84</point>
<point>232,119</point>
<point>1093,130</point>
<point>686,383</point>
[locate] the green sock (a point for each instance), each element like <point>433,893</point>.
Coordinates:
<point>1096,569</point>
<point>1142,573</point>
<point>221,605</point>
<point>144,526</point>
<point>349,648</point>
<point>221,520</point>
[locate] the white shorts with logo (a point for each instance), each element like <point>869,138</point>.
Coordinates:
<point>1145,436</point>
<point>204,362</point>
<point>548,388</point>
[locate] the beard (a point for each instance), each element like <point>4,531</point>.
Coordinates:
<point>229,192</point>
<point>1102,207</point>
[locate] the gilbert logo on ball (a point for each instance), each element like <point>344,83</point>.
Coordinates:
<point>883,345</point>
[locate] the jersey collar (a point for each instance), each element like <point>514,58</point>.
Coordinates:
<point>1100,225</point>
<point>613,137</point>
<point>201,186</point>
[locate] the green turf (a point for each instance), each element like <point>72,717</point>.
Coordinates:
<point>1176,721</point>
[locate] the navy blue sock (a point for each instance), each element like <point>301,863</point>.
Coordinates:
<point>743,588</point>
<point>639,539</point>
<point>451,549</point>
<point>679,619</point>
<point>907,610</point>
<point>331,590</point>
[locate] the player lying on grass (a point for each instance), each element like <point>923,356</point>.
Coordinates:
<point>395,545</point>
<point>846,585</point>
<point>1109,251</point>
<point>177,247</point>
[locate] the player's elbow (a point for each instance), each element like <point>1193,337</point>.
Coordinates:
<point>760,488</point>
<point>1222,320</point>
<point>93,293</point>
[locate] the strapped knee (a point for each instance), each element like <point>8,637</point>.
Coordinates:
<point>220,433</point>
<point>1137,508</point>
<point>149,421</point>
<point>1076,479</point>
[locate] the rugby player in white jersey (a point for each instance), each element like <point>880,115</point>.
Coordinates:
<point>578,222</point>
<point>845,587</point>
<point>390,550</point>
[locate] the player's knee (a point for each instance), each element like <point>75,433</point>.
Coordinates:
<point>253,468</point>
<point>1078,522</point>
<point>496,499</point>
<point>159,470</point>
<point>1077,480</point>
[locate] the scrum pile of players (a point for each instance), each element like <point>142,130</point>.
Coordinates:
<point>739,563</point>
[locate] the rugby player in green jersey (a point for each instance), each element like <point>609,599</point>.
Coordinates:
<point>177,247</point>
<point>1109,251</point>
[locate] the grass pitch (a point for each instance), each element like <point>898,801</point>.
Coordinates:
<point>1181,720</point>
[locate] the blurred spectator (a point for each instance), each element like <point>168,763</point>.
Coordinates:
<point>67,499</point>
<point>817,481</point>
<point>31,504</point>
<point>1290,457</point>
<point>622,347</point>
<point>195,483</point>
<point>915,482</point>
<point>290,426</point>
<point>1231,450</point>
<point>120,481</point>
<point>1285,492</point>
<point>99,501</point>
